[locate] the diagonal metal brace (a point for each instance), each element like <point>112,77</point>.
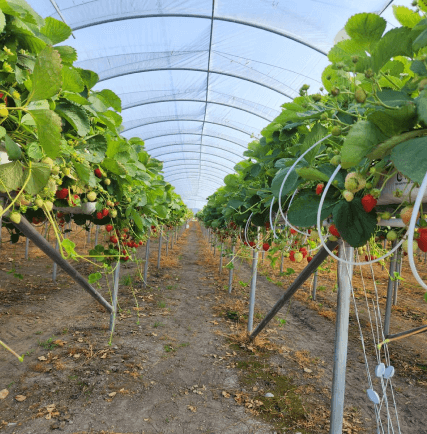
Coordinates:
<point>25,227</point>
<point>296,284</point>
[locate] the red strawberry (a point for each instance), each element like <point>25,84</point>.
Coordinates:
<point>368,202</point>
<point>105,212</point>
<point>304,252</point>
<point>334,231</point>
<point>98,173</point>
<point>125,230</point>
<point>60,215</point>
<point>140,243</point>
<point>114,240</point>
<point>366,258</point>
<point>153,227</point>
<point>109,228</point>
<point>309,258</point>
<point>292,256</point>
<point>422,240</point>
<point>62,194</point>
<point>245,243</point>
<point>266,246</point>
<point>99,215</point>
<point>293,231</point>
<point>319,189</point>
<point>251,243</point>
<point>267,225</point>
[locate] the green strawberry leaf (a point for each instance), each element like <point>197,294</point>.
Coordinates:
<point>46,77</point>
<point>14,152</point>
<point>40,174</point>
<point>354,224</point>
<point>410,158</point>
<point>407,17</point>
<point>57,31</point>
<point>365,29</point>
<point>68,54</point>
<point>49,130</point>
<point>363,136</point>
<point>72,81</point>
<point>11,176</point>
<point>76,116</point>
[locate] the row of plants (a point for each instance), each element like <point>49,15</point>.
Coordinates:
<point>366,128</point>
<point>67,157</point>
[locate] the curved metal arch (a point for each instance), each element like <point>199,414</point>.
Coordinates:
<point>195,134</point>
<point>208,17</point>
<point>191,170</point>
<point>198,100</point>
<point>213,180</point>
<point>196,159</point>
<point>187,152</point>
<point>186,120</point>
<point>239,77</point>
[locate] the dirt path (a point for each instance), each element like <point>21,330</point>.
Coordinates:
<point>163,375</point>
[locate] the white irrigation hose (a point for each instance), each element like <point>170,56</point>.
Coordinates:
<point>322,240</point>
<point>292,168</point>
<point>411,232</point>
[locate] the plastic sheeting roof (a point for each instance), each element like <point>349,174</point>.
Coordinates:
<point>199,79</point>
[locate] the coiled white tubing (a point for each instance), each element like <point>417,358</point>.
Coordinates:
<point>411,230</point>
<point>322,240</point>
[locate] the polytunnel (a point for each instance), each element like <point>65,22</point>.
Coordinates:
<point>199,79</point>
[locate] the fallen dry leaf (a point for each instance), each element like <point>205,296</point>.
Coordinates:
<point>20,398</point>
<point>59,342</point>
<point>76,356</point>
<point>225,394</point>
<point>42,358</point>
<point>3,393</point>
<point>192,408</point>
<point>112,394</point>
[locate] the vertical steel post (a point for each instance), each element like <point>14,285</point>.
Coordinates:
<point>113,314</point>
<point>27,245</point>
<point>253,289</point>
<point>389,301</point>
<point>1,226</point>
<point>313,292</point>
<point>281,263</point>
<point>399,270</point>
<point>345,274</point>
<point>167,243</point>
<point>147,256</point>
<point>55,265</point>
<point>220,258</point>
<point>96,234</point>
<point>88,235</point>
<point>262,256</point>
<point>46,228</point>
<point>160,251</point>
<point>176,234</point>
<point>172,237</point>
<point>230,276</point>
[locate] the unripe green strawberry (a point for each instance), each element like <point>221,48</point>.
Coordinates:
<point>360,95</point>
<point>391,236</point>
<point>333,238</point>
<point>336,160</point>
<point>128,200</point>
<point>4,112</point>
<point>323,117</point>
<point>66,171</point>
<point>48,161</point>
<point>386,215</point>
<point>316,97</point>
<point>107,181</point>
<point>369,185</point>
<point>48,205</point>
<point>336,131</point>
<point>348,195</point>
<point>360,250</point>
<point>39,202</point>
<point>335,91</point>
<point>406,214</point>
<point>15,217</point>
<point>113,213</point>
<point>55,170</point>
<point>298,257</point>
<point>354,182</point>
<point>406,243</point>
<point>91,196</point>
<point>314,235</point>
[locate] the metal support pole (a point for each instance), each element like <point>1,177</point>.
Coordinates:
<point>389,301</point>
<point>399,270</point>
<point>176,234</point>
<point>27,245</point>
<point>296,284</point>
<point>55,266</point>
<point>167,243</point>
<point>25,227</point>
<point>262,256</point>
<point>253,288</point>
<point>96,234</point>
<point>160,252</point>
<point>313,292</point>
<point>345,275</point>
<point>281,263</point>
<point>88,234</point>
<point>147,256</point>
<point>116,277</point>
<point>46,227</point>
<point>230,276</point>
<point>220,258</point>
<point>1,227</point>
<point>172,237</point>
